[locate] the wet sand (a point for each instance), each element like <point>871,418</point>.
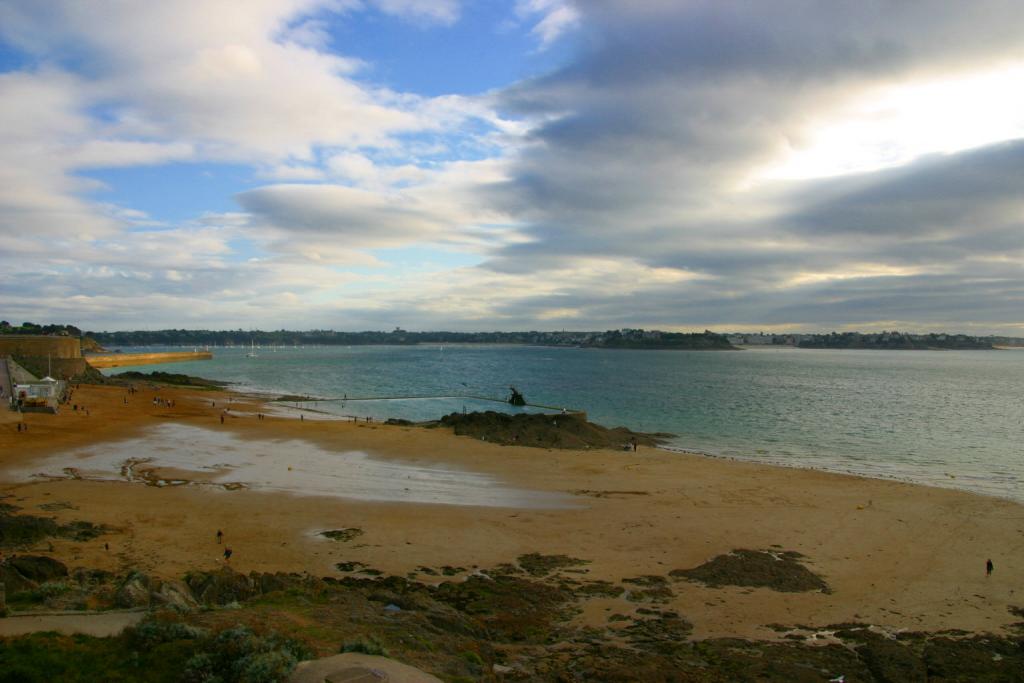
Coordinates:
<point>895,555</point>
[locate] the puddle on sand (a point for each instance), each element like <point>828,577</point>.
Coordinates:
<point>174,454</point>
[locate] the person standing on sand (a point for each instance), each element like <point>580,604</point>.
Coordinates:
<point>227,554</point>
<point>989,567</point>
<point>634,442</point>
<point>222,418</point>
<point>220,535</point>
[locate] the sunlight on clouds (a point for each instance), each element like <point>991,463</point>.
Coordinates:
<point>850,273</point>
<point>559,313</point>
<point>897,123</point>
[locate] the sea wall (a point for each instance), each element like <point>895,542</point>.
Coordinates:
<point>58,368</point>
<point>117,360</point>
<point>40,346</point>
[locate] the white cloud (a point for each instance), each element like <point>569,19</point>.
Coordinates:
<point>556,17</point>
<point>627,188</point>
<point>434,11</point>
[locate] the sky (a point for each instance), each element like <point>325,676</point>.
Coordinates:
<point>775,165</point>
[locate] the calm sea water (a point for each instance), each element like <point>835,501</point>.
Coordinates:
<point>946,418</point>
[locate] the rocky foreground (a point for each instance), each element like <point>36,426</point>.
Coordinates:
<point>515,621</point>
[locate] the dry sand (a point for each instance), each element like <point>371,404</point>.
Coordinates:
<point>895,555</point>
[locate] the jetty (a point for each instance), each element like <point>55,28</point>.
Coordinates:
<point>116,360</point>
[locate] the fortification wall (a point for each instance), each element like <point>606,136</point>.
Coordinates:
<point>40,346</point>
<point>58,368</point>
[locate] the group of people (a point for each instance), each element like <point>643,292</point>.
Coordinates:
<point>161,401</point>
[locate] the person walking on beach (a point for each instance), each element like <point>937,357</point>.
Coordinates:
<point>220,535</point>
<point>227,554</point>
<point>222,418</point>
<point>634,442</point>
<point>989,567</point>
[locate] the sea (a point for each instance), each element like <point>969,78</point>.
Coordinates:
<point>944,418</point>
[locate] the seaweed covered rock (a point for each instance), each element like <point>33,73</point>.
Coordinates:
<point>23,530</point>
<point>543,430</point>
<point>18,530</point>
<point>510,608</point>
<point>891,662</point>
<point>777,570</point>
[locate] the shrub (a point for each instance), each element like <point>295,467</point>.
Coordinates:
<point>367,646</point>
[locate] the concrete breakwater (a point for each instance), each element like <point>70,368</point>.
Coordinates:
<point>116,360</point>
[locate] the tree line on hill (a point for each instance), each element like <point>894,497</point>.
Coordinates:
<point>628,338</point>
<point>895,341</point>
<point>618,339</point>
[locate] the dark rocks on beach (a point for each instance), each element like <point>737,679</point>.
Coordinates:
<point>175,379</point>
<point>512,609</point>
<point>892,662</point>
<point>343,535</point>
<point>23,572</point>
<point>777,570</point>
<point>960,659</point>
<point>18,530</point>
<point>542,430</point>
<point>648,588</point>
<point>664,632</point>
<point>23,530</point>
<point>536,564</point>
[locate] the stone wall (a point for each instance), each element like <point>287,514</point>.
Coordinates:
<point>40,346</point>
<point>58,368</point>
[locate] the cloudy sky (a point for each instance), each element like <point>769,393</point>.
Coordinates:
<point>518,164</point>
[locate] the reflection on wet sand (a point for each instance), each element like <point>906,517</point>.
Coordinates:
<point>180,455</point>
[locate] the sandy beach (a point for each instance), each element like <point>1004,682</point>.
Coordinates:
<point>896,555</point>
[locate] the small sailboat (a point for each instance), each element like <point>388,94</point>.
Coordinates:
<point>252,349</point>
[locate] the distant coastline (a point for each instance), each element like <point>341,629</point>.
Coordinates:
<point>625,338</point>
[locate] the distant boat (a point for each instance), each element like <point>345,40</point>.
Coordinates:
<point>252,350</point>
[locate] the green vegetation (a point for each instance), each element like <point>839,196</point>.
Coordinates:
<point>33,328</point>
<point>894,341</point>
<point>159,649</point>
<point>367,646</point>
